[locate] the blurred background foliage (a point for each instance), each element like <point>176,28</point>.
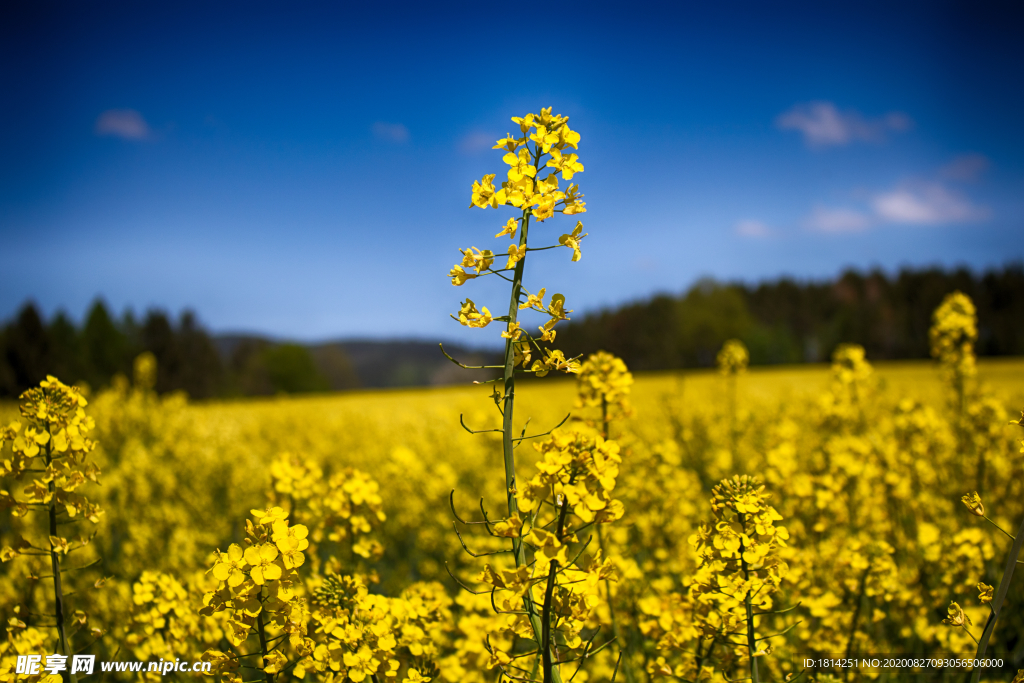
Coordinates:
<point>785,321</point>
<point>780,321</point>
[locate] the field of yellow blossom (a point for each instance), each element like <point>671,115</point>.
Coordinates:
<point>818,522</point>
<point>866,470</point>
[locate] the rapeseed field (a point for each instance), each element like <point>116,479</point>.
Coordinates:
<point>819,522</point>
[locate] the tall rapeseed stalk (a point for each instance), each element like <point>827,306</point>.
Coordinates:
<point>52,448</point>
<point>543,143</point>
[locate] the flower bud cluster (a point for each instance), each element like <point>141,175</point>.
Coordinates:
<point>571,490</point>
<point>544,138</point>
<point>953,333</point>
<point>51,442</point>
<point>344,508</point>
<point>741,547</point>
<point>604,382</point>
<point>260,589</point>
<point>733,358</point>
<point>361,636</point>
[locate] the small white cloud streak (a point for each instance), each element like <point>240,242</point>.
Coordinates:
<point>752,228</point>
<point>392,132</point>
<point>823,124</point>
<point>126,124</point>
<point>966,167</point>
<point>837,220</point>
<point>476,142</point>
<point>926,204</point>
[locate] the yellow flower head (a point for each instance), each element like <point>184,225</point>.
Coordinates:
<point>508,142</point>
<point>515,255</point>
<point>509,228</point>
<point>733,358</point>
<point>953,333</point>
<point>573,240</point>
<point>471,317</point>
<point>974,504</point>
<point>957,616</point>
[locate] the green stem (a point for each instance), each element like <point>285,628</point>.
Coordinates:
<point>263,640</point>
<point>997,602</point>
<point>58,590</point>
<point>732,415</point>
<point>623,657</point>
<point>549,591</point>
<point>856,616</point>
<point>509,377</point>
<point>751,639</point>
<point>1008,534</point>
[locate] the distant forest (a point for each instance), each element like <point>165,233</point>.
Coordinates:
<point>190,359</point>
<point>786,321</point>
<point>780,321</point>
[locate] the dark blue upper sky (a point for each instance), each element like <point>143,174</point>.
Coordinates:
<point>305,172</point>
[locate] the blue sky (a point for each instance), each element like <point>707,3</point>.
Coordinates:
<point>305,172</point>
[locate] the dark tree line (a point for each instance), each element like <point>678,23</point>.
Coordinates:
<point>785,321</point>
<point>188,358</point>
<point>780,321</point>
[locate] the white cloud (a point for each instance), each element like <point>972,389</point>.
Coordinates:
<point>926,204</point>
<point>752,228</point>
<point>127,124</point>
<point>836,220</point>
<point>476,142</point>
<point>823,125</point>
<point>966,167</point>
<point>392,132</point>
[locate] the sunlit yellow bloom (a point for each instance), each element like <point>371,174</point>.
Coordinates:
<point>513,332</point>
<point>521,166</point>
<point>515,255</point>
<point>545,207</point>
<point>509,228</point>
<point>556,309</point>
<point>534,301</point>
<point>484,194</point>
<point>471,317</point>
<point>573,201</point>
<point>555,360</point>
<point>525,122</point>
<point>521,354</point>
<point>519,192</point>
<point>229,566</point>
<point>569,138</point>
<point>572,240</point>
<point>460,276</point>
<point>974,504</point>
<point>984,593</point>
<point>568,165</point>
<point>477,259</point>
<point>261,560</point>
<point>957,616</point>
<point>543,137</point>
<point>508,142</point>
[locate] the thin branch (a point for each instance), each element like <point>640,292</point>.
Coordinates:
<point>779,611</point>
<point>478,431</point>
<point>451,503</point>
<point>72,569</point>
<point>469,367</point>
<point>464,586</point>
<point>502,611</point>
<point>780,633</point>
<point>534,436</point>
<point>471,553</point>
<point>617,662</point>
